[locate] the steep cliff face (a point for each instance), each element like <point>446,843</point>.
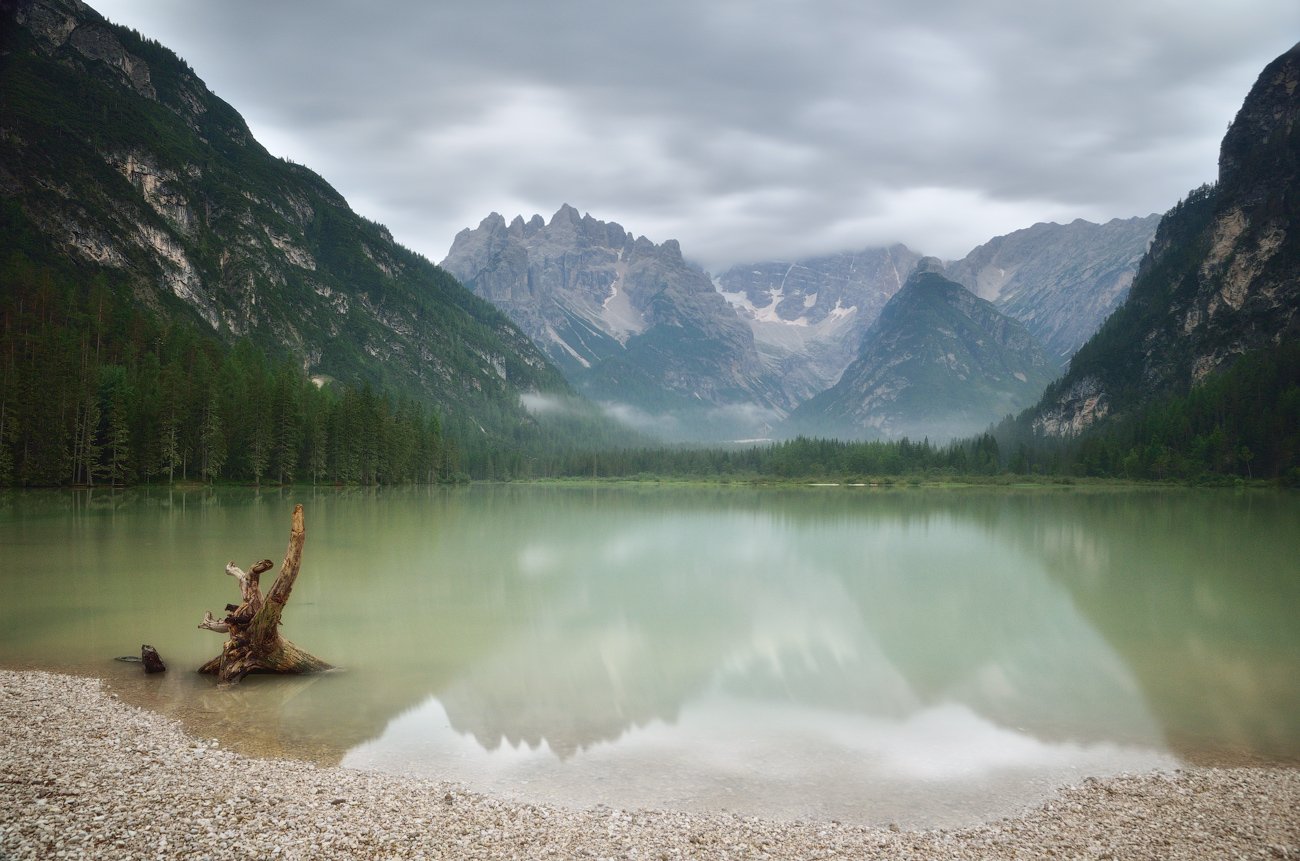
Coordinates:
<point>628,321</point>
<point>1222,276</point>
<point>938,362</point>
<point>808,317</point>
<point>115,156</point>
<point>1061,280</point>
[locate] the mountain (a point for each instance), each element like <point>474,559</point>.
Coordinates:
<point>629,322</point>
<point>119,165</point>
<point>938,362</point>
<point>1220,280</point>
<point>1061,280</point>
<point>808,316</point>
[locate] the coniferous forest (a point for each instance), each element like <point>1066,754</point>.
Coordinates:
<point>1241,424</point>
<point>95,391</point>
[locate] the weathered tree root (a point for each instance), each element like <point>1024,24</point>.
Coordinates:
<point>255,644</point>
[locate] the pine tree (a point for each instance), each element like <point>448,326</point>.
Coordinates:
<point>288,426</point>
<point>6,453</point>
<point>259,456</point>
<point>117,439</point>
<point>169,453</point>
<point>317,438</point>
<point>85,459</point>
<point>119,445</point>
<point>212,441</point>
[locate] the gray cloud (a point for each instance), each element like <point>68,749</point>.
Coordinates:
<point>747,130</point>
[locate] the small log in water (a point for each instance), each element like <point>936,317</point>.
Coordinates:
<point>153,662</point>
<point>253,626</point>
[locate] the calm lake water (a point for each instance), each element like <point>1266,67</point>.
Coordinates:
<point>912,656</point>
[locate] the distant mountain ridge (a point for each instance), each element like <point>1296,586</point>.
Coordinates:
<point>808,316</point>
<point>115,157</point>
<point>1219,281</point>
<point>1061,280</point>
<point>938,362</point>
<point>582,289</point>
<point>630,322</point>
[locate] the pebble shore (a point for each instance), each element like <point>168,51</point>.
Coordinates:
<point>85,776</point>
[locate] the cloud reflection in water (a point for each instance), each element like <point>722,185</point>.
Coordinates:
<point>941,766</point>
<point>924,674</point>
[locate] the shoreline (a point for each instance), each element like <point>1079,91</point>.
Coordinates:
<point>87,776</point>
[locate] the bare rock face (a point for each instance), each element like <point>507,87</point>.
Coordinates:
<point>808,316</point>
<point>51,23</point>
<point>158,186</point>
<point>57,23</point>
<point>1061,280</point>
<point>630,322</point>
<point>1079,406</point>
<point>1222,276</point>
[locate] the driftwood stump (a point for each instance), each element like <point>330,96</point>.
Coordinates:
<point>153,662</point>
<point>255,644</point>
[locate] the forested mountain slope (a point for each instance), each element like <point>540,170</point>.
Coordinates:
<point>118,165</point>
<point>939,362</point>
<point>1221,280</point>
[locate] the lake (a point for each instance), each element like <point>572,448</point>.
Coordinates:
<point>925,657</point>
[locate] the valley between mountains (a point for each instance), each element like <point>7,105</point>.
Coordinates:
<point>166,275</point>
<point>635,326</point>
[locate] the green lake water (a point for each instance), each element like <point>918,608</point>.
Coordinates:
<point>923,657</point>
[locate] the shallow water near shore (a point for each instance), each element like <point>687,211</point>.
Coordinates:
<point>930,658</point>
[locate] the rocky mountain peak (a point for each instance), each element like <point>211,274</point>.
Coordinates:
<point>1219,279</point>
<point>79,36</point>
<point>627,320</point>
<point>494,223</point>
<point>929,285</point>
<point>70,23</point>
<point>938,362</point>
<point>671,249</point>
<point>808,316</point>
<point>569,228</point>
<point>1060,280</point>
<point>1256,142</point>
<point>927,265</point>
<point>565,213</point>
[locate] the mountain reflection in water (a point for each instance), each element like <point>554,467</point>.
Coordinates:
<point>737,660</point>
<point>928,658</point>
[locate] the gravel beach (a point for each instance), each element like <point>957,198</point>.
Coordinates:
<point>86,776</point>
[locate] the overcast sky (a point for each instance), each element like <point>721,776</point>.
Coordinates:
<point>749,130</point>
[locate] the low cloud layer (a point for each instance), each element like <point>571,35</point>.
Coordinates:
<point>747,130</point>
